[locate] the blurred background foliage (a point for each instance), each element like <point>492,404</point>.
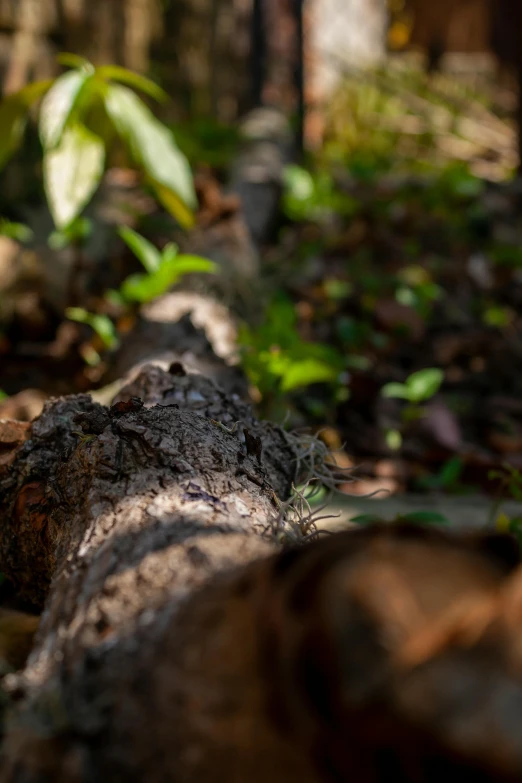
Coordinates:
<point>394,257</point>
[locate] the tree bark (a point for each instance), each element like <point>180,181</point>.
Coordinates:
<point>178,643</point>
<point>112,517</point>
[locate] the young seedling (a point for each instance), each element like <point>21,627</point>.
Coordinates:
<point>418,388</point>
<point>163,269</point>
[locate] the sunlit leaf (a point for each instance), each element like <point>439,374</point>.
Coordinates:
<point>187,264</point>
<point>137,81</point>
<point>72,172</point>
<point>424,384</point>
<point>154,149</point>
<point>306,372</point>
<point>298,182</point>
<point>170,252</point>
<point>144,288</point>
<point>395,390</point>
<point>58,105</point>
<point>144,250</point>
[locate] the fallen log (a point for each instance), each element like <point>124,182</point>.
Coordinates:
<point>177,643</point>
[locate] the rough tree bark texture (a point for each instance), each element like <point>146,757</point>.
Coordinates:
<point>177,644</point>
<point>125,519</point>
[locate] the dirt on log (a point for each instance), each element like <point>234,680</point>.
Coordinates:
<point>178,644</point>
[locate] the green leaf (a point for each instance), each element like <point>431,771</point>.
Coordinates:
<point>144,288</point>
<point>306,372</point>
<point>152,146</point>
<point>72,173</point>
<point>395,390</point>
<point>393,439</point>
<point>118,74</point>
<point>424,518</point>
<point>169,252</point>
<point>101,324</point>
<point>144,250</point>
<point>424,384</point>
<point>3,395</point>
<point>173,203</point>
<point>187,264</point>
<point>17,231</point>
<point>58,105</point>
<point>298,182</point>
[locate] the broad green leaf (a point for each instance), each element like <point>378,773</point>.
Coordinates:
<point>154,149</point>
<point>395,390</point>
<point>58,105</point>
<point>72,172</point>
<point>424,518</point>
<point>3,395</point>
<point>305,372</point>
<point>424,384</point>
<point>135,80</point>
<point>144,250</point>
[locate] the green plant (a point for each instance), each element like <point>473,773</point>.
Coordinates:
<point>17,231</point>
<point>278,361</point>
<point>314,196</point>
<point>418,387</point>
<point>100,324</point>
<point>162,269</point>
<point>3,395</point>
<point>81,114</point>
<point>76,233</point>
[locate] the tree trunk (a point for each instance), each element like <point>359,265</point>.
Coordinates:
<point>177,643</point>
